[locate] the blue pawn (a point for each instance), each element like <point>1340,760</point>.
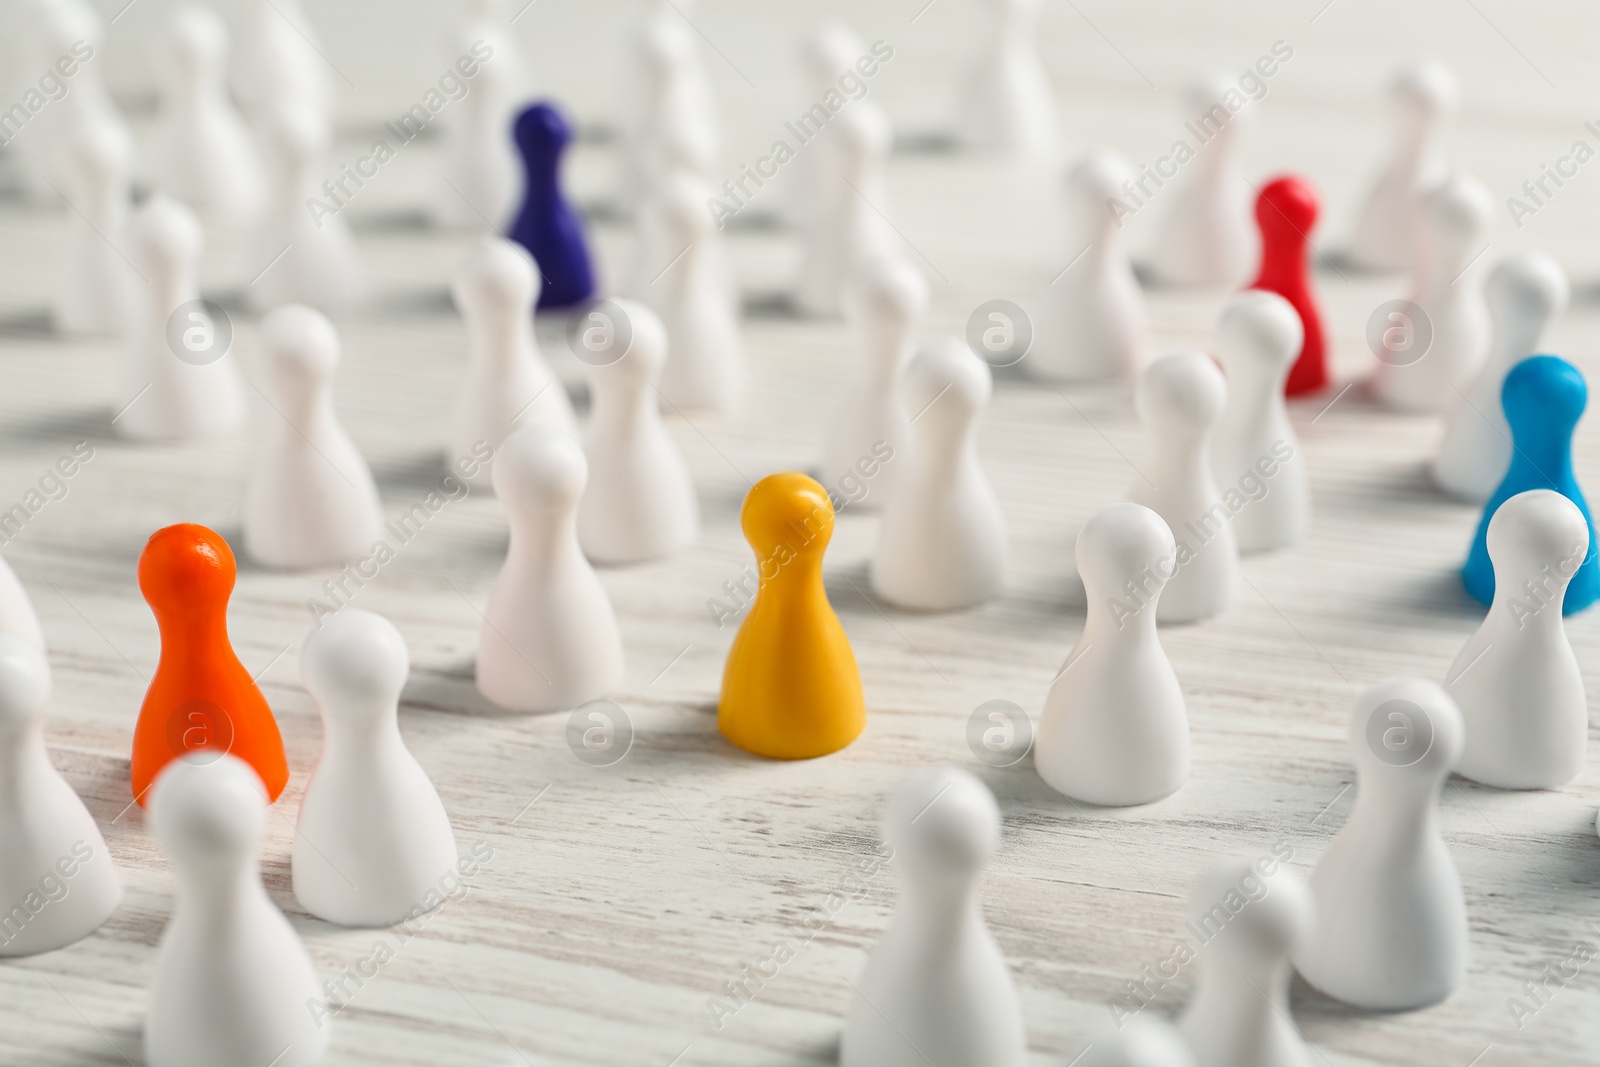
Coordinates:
<point>1543,397</point>
<point>546,225</point>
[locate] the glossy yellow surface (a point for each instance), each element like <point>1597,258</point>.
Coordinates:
<point>791,688</point>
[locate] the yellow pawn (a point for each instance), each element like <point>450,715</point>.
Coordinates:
<point>791,688</point>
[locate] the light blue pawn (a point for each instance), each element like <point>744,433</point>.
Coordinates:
<point>1543,398</point>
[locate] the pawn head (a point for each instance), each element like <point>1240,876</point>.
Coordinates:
<point>297,133</point>
<point>1125,541</point>
<point>680,202</point>
<point>63,25</point>
<point>1098,178</point>
<point>787,509</point>
<point>1261,329</point>
<point>1183,392</point>
<point>1262,908</point>
<point>541,130</point>
<point>1207,91</point>
<point>865,134</point>
<point>299,350</point>
<point>1406,729</point>
<point>99,151</point>
<point>24,685</point>
<point>943,822</point>
<point>497,275</point>
<point>198,38</point>
<point>888,287</point>
<point>186,569</point>
<point>355,662</point>
<point>643,338</point>
<point>1544,393</point>
<point>541,469</point>
<point>1527,285</point>
<point>1457,209</point>
<point>946,385</point>
<point>1537,532</point>
<point>167,235</point>
<point>1428,88</point>
<point>1288,204</point>
<point>207,810</point>
<point>830,50</point>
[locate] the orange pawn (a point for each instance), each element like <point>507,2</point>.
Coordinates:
<point>791,689</point>
<point>201,696</point>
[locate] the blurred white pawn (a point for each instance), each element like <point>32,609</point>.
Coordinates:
<point>682,157</point>
<point>281,65</point>
<point>673,100</point>
<point>1391,934</point>
<point>937,981</point>
<point>1452,234</point>
<point>705,363</point>
<point>549,640</point>
<point>1137,1042</point>
<point>96,290</point>
<point>306,258</point>
<point>312,500</point>
<point>1180,400</point>
<point>942,542</point>
<point>1210,236</point>
<point>1423,95</point>
<point>1009,106</point>
<point>1115,729</point>
<point>1258,338</point>
<point>481,160</point>
<point>509,384</point>
<point>67,45</point>
<point>1097,329</point>
<point>885,304</point>
<point>232,981</point>
<point>206,157</point>
<point>178,379</point>
<point>850,230</point>
<point>827,54</point>
<point>1516,681</point>
<point>1254,913</point>
<point>1525,292</point>
<point>17,617</point>
<point>49,839</point>
<point>373,843</point>
<point>640,501</point>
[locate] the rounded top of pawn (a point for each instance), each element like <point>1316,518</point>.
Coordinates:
<point>207,808</point>
<point>299,346</point>
<point>1267,915</point>
<point>24,684</point>
<point>680,200</point>
<point>788,508</point>
<point>1098,176</point>
<point>355,661</point>
<point>100,148</point>
<point>830,50</point>
<point>297,131</point>
<point>645,336</point>
<point>167,232</point>
<point>890,286</point>
<point>1428,85</point>
<point>865,131</point>
<point>667,45</point>
<point>1290,203</point>
<point>1406,729</point>
<point>67,24</point>
<point>539,468</point>
<point>945,384</point>
<point>1529,284</point>
<point>1458,204</point>
<point>944,821</point>
<point>198,35</point>
<point>1259,328</point>
<point>1123,541</point>
<point>1533,530</point>
<point>186,569</point>
<point>1181,391</point>
<point>1206,90</point>
<point>541,128</point>
<point>497,273</point>
<point>1545,393</point>
<point>1141,1041</point>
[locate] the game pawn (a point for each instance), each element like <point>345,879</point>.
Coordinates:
<point>547,225</point>
<point>790,688</point>
<point>1286,213</point>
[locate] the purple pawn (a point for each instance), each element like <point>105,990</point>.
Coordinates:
<point>547,226</point>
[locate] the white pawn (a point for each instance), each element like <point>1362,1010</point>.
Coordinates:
<point>1097,330</point>
<point>826,54</point>
<point>850,231</point>
<point>1451,234</point>
<point>549,640</point>
<point>373,842</point>
<point>481,160</point>
<point>640,501</point>
<point>1424,96</point>
<point>57,880</point>
<point>312,501</point>
<point>1180,400</point>
<point>17,617</point>
<point>281,64</point>
<point>1115,729</point>
<point>885,305</point>
<point>1525,292</point>
<point>95,292</point>
<point>685,155</point>
<point>673,99</point>
<point>232,980</point>
<point>1254,913</point>
<point>942,543</point>
<point>73,31</point>
<point>1009,106</point>
<point>1255,451</point>
<point>1391,932</point>
<point>705,367</point>
<point>509,384</point>
<point>1137,1042</point>
<point>175,382</point>
<point>1516,681</point>
<point>207,158</point>
<point>309,259</point>
<point>937,988</point>
<point>1210,236</point>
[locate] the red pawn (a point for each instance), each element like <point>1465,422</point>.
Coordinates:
<point>1286,212</point>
